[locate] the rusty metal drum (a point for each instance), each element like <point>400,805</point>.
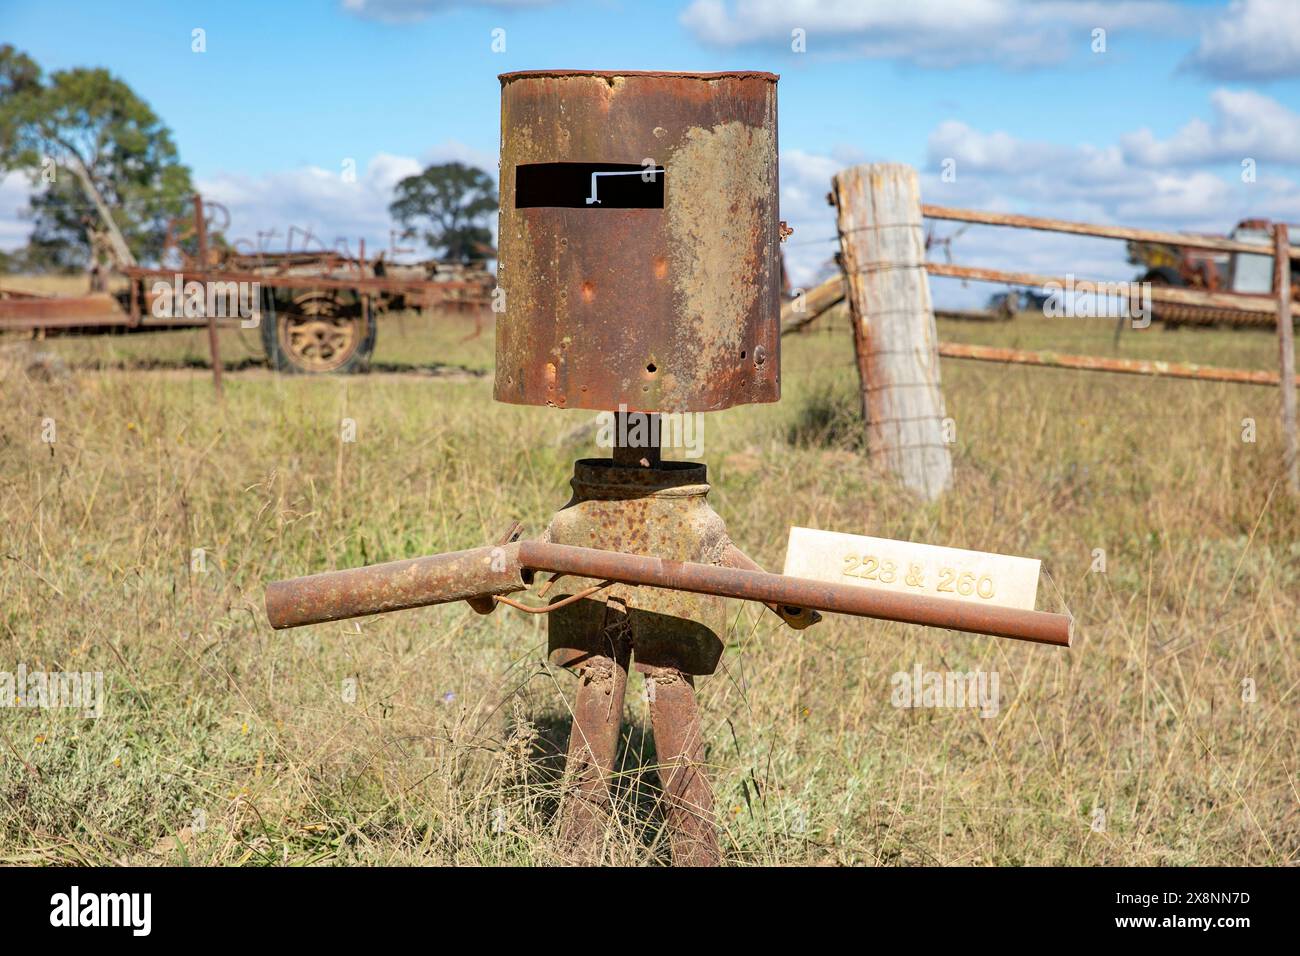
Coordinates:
<point>638,249</point>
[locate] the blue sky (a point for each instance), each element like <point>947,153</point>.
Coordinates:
<point>1150,131</point>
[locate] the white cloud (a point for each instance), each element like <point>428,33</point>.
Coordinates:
<point>930,33</point>
<point>995,152</point>
<point>1134,183</point>
<point>412,11</point>
<point>272,210</point>
<point>454,151</point>
<point>1246,124</point>
<point>323,202</point>
<point>14,190</point>
<point>1251,40</point>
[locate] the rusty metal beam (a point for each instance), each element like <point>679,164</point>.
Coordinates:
<point>1095,363</point>
<point>797,617</point>
<point>1264,302</point>
<point>1088,229</point>
<point>39,312</point>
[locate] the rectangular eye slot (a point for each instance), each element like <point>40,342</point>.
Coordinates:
<point>589,186</point>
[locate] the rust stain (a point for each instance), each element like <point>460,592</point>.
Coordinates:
<point>714,285</point>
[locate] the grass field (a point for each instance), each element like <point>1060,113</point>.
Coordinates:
<point>222,742</point>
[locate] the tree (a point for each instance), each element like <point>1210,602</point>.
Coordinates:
<point>448,206</point>
<point>87,120</point>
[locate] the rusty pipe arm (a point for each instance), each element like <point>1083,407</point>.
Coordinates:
<point>1036,626</point>
<point>479,572</point>
<point>396,586</point>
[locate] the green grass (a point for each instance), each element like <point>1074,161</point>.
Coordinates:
<point>449,753</point>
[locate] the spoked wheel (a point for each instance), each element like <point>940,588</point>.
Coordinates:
<point>316,332</point>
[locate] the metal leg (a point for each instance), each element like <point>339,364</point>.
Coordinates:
<point>593,741</point>
<point>688,798</point>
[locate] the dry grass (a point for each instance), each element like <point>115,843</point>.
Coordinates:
<point>449,753</point>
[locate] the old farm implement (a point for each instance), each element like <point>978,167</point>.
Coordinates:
<point>316,307</point>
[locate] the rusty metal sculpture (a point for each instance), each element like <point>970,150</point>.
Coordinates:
<point>639,261</point>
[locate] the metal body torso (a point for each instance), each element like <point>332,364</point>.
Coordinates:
<point>662,511</point>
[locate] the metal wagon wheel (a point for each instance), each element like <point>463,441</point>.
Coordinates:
<point>317,332</point>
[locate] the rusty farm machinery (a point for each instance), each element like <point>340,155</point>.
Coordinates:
<point>316,306</point>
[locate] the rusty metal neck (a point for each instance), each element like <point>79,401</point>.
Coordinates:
<point>643,453</point>
<point>604,478</point>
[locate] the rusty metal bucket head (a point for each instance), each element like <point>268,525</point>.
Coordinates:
<point>638,249</point>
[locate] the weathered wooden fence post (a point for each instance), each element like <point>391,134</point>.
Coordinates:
<point>1286,346</point>
<point>894,334</point>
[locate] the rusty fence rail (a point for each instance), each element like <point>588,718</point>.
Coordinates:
<point>981,217</point>
<point>831,292</point>
<point>1264,303</point>
<point>1095,363</point>
<point>1279,303</point>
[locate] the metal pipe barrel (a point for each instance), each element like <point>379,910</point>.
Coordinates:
<point>395,586</point>
<point>1040,627</point>
<point>462,575</point>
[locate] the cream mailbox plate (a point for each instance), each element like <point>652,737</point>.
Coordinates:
<point>926,569</point>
